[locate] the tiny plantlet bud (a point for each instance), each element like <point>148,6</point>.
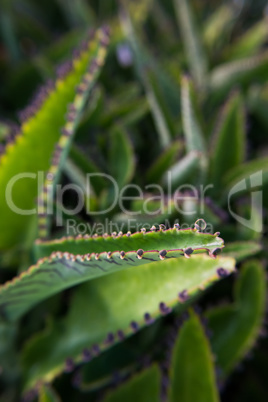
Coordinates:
<point>109,338</point>
<point>215,252</point>
<point>187,252</point>
<point>120,335</point>
<point>222,273</point>
<point>164,309</point>
<point>183,296</point>
<point>69,365</point>
<point>162,254</point>
<point>200,225</point>
<point>96,349</point>
<point>176,226</point>
<point>122,255</point>
<point>134,326</point>
<point>147,318</point>
<point>86,355</point>
<point>140,253</point>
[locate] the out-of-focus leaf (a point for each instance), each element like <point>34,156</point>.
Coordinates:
<point>192,370</point>
<point>250,42</point>
<point>47,394</point>
<point>123,358</point>
<point>148,80</point>
<point>217,26</point>
<point>33,147</point>
<point>237,73</point>
<point>125,301</point>
<point>191,40</point>
<point>163,162</point>
<point>241,250</point>
<point>9,366</point>
<point>191,127</point>
<point>235,327</point>
<point>121,156</point>
<point>257,102</point>
<point>88,167</point>
<point>139,10</point>
<point>246,177</point>
<point>229,142</point>
<point>8,31</point>
<point>183,171</point>
<point>143,387</point>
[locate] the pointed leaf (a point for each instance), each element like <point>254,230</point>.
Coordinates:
<point>240,250</point>
<point>47,394</point>
<point>250,42</point>
<point>143,387</point>
<point>166,159</point>
<point>192,369</point>
<point>71,261</point>
<point>217,26</point>
<point>229,142</point>
<point>239,73</point>
<point>31,151</point>
<point>63,145</point>
<point>191,127</point>
<point>182,171</point>
<point>121,157</point>
<point>191,41</point>
<point>113,307</point>
<point>148,79</point>
<point>235,327</point>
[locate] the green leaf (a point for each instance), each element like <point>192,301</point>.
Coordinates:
<point>192,370</point>
<point>47,394</point>
<point>9,361</point>
<point>240,250</point>
<point>250,42</point>
<point>191,41</point>
<point>235,327</point>
<point>166,159</point>
<point>217,26</point>
<point>143,387</point>
<point>121,157</point>
<point>123,358</point>
<point>150,81</point>
<point>87,166</point>
<point>32,149</point>
<point>182,171</point>
<point>257,103</point>
<point>229,142</point>
<point>191,128</point>
<point>69,261</point>
<point>239,73</point>
<point>247,176</point>
<point>113,307</point>
<point>62,147</point>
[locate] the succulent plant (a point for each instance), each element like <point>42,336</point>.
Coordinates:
<point>134,198</point>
